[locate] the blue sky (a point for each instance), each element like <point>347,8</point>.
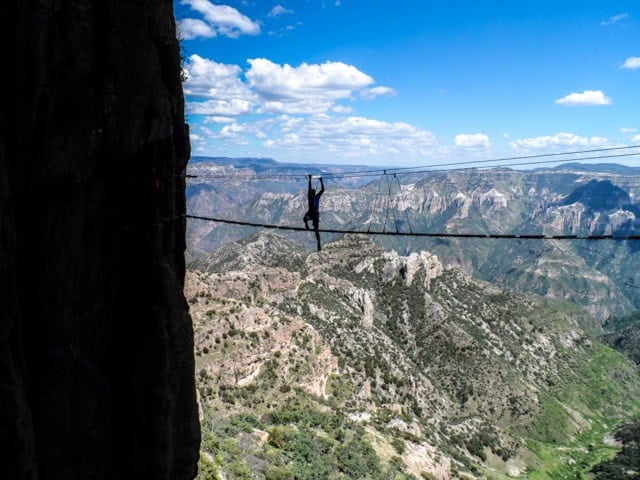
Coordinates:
<point>409,82</point>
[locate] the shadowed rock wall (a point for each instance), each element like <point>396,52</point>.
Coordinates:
<point>96,342</point>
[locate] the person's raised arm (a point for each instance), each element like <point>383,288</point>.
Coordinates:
<point>310,195</point>
<point>321,187</point>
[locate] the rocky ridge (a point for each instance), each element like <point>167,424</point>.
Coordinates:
<point>460,373</point>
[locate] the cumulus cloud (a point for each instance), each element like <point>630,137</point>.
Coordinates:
<point>222,19</point>
<point>586,98</point>
<point>284,31</point>
<point>209,79</point>
<point>216,89</point>
<point>225,108</point>
<point>635,139</point>
<point>233,129</point>
<point>190,28</point>
<point>631,63</point>
<point>220,89</point>
<point>341,109</point>
<point>349,137</point>
<point>236,133</point>
<point>472,140</point>
<point>561,139</point>
<point>218,119</point>
<point>297,107</point>
<point>615,19</point>
<point>371,93</point>
<point>308,88</point>
<point>278,10</point>
<point>628,130</point>
<point>332,79</point>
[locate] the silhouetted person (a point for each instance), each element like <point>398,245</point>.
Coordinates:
<point>313,213</point>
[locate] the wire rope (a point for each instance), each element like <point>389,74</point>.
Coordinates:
<point>496,236</point>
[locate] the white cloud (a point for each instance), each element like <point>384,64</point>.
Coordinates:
<point>350,137</point>
<point>218,119</point>
<point>233,129</point>
<point>209,79</point>
<point>297,107</point>
<point>220,86</point>
<point>628,130</point>
<point>308,88</point>
<point>615,19</point>
<point>284,31</point>
<point>341,109</point>
<point>225,20</point>
<point>279,10</point>
<point>635,139</point>
<point>225,108</point>
<point>472,140</point>
<point>327,137</point>
<point>331,79</point>
<point>561,139</point>
<point>586,98</point>
<point>190,28</point>
<point>371,93</point>
<point>238,133</point>
<point>197,141</point>
<point>631,63</point>
<point>219,90</point>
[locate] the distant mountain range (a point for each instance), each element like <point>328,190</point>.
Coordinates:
<point>580,199</point>
<point>592,168</point>
<point>261,164</point>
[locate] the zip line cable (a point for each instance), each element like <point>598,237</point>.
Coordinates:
<point>541,155</point>
<point>431,169</point>
<point>505,159</point>
<point>496,236</point>
<point>384,203</point>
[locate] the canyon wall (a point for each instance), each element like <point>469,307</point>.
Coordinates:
<point>96,342</point>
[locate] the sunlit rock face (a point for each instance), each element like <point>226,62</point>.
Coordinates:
<point>398,345</point>
<point>96,354</point>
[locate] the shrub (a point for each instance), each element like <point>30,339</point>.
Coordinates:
<point>399,445</point>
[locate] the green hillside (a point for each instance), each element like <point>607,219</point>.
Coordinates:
<point>359,360</point>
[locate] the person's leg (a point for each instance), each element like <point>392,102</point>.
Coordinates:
<point>316,227</point>
<point>306,218</point>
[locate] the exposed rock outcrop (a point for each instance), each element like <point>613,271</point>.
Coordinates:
<point>96,342</point>
<point>430,365</point>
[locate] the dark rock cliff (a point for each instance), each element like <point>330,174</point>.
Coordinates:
<point>96,342</point>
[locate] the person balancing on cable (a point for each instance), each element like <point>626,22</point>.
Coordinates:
<point>313,213</point>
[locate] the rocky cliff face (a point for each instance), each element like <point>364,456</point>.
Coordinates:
<point>96,354</point>
<point>443,373</point>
